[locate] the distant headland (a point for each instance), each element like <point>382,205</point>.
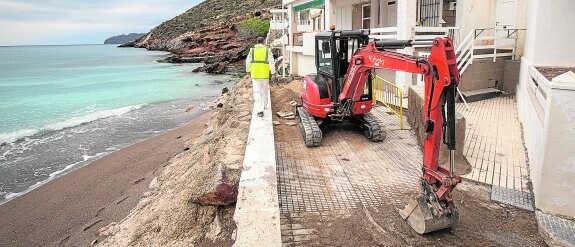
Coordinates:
<point>124,38</point>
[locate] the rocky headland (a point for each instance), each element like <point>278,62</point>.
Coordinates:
<point>209,33</point>
<point>124,38</point>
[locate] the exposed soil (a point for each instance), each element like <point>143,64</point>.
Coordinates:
<point>281,96</point>
<point>482,222</point>
<point>167,214</point>
<point>552,72</point>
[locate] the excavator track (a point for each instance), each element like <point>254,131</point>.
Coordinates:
<point>309,129</point>
<point>372,128</point>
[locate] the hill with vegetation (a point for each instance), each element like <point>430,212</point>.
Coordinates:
<point>215,32</point>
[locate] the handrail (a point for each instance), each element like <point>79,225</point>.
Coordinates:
<point>387,93</point>
<point>464,41</point>
<point>383,33</point>
<point>466,49</point>
<point>430,33</point>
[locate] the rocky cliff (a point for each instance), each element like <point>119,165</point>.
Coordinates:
<point>208,33</point>
<point>124,38</point>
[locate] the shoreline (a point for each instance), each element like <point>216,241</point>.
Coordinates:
<point>71,210</point>
<point>132,133</point>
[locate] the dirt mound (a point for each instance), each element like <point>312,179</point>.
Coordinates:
<point>283,94</point>
<point>482,223</point>
<point>166,214</point>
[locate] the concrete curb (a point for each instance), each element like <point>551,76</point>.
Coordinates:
<point>257,214</point>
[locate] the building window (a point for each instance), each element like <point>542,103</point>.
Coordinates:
<point>317,24</point>
<point>366,16</point>
<point>303,17</point>
<point>429,13</point>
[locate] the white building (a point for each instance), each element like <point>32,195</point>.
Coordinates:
<point>489,30</point>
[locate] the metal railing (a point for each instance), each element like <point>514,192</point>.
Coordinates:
<point>384,33</point>
<point>430,33</point>
<point>492,42</point>
<point>420,34</point>
<point>390,95</point>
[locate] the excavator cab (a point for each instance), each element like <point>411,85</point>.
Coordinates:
<point>334,50</point>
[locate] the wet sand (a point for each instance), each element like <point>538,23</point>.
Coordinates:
<point>69,210</point>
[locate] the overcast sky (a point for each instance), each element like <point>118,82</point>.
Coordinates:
<point>61,22</point>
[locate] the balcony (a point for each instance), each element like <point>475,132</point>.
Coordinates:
<point>279,19</point>
<point>278,24</point>
<point>303,26</point>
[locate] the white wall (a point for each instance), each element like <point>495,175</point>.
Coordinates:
<point>551,33</point>
<point>477,14</point>
<point>406,20</point>
<point>550,131</point>
<point>521,23</point>
<point>306,64</point>
<point>534,124</point>
<point>472,14</point>
<point>343,17</point>
<point>557,189</point>
<point>341,13</point>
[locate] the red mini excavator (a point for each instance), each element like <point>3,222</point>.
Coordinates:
<point>340,91</point>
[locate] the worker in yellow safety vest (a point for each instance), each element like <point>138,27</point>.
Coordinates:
<point>261,66</point>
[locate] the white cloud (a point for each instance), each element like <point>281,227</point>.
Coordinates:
<point>26,22</point>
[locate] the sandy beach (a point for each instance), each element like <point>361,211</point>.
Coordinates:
<point>69,210</point>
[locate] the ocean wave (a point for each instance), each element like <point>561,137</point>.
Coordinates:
<point>8,196</point>
<point>15,136</point>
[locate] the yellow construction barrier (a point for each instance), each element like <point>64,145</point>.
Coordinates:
<point>389,95</point>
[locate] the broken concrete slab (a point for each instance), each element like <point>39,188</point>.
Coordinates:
<point>276,123</point>
<point>284,114</point>
<point>290,123</point>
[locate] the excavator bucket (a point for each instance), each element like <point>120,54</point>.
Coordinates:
<point>424,218</point>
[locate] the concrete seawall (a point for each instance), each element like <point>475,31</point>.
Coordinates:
<point>257,214</point>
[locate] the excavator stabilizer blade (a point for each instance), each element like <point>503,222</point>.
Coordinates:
<point>420,217</point>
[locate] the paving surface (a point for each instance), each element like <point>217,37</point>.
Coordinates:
<point>519,199</point>
<point>348,191</point>
<point>558,228</point>
<point>346,172</point>
<point>494,143</point>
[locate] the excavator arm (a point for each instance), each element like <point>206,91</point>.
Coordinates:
<point>433,209</point>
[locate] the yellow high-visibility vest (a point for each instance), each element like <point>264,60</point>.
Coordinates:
<point>259,67</point>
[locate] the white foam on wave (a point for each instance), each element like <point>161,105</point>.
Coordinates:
<point>72,122</point>
<point>10,195</point>
<point>92,117</point>
<point>16,135</point>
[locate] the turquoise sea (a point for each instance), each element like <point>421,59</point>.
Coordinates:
<point>63,106</point>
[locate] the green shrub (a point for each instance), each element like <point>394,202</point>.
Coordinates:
<point>254,27</point>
